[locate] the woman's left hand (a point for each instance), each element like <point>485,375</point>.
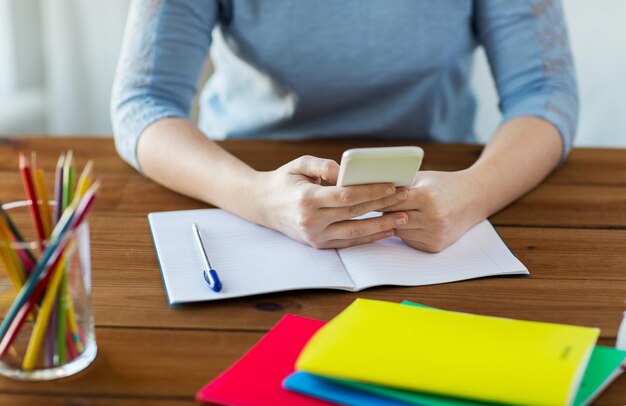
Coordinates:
<point>441,207</point>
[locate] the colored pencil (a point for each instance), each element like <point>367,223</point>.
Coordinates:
<point>86,203</point>
<point>42,193</point>
<point>84,181</point>
<point>59,339</point>
<point>21,253</point>
<point>67,180</point>
<point>58,210</point>
<point>60,354</point>
<point>72,351</point>
<point>29,190</point>
<point>58,189</point>
<point>7,266</point>
<point>8,259</point>
<point>72,186</point>
<point>27,257</point>
<point>50,336</point>
<point>73,327</point>
<point>41,324</point>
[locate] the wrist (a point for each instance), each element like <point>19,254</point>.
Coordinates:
<point>477,191</point>
<point>256,197</point>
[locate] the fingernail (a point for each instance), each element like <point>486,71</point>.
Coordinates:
<point>403,195</point>
<point>390,190</point>
<point>400,221</point>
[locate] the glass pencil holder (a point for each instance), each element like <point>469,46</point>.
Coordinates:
<point>47,316</point>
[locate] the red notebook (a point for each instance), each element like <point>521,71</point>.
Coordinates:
<point>256,378</point>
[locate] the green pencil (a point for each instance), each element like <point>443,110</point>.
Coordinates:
<point>60,356</point>
<point>68,178</point>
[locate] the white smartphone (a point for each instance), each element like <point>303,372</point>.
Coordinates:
<point>397,165</point>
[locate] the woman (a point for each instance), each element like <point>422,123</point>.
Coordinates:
<point>289,69</point>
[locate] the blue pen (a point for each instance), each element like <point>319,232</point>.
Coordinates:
<point>210,275</point>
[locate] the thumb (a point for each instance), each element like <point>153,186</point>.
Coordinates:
<point>316,168</point>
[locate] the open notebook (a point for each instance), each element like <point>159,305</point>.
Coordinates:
<point>251,259</point>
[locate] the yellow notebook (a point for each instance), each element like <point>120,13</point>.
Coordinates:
<point>456,354</point>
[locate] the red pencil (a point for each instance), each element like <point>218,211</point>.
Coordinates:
<point>31,195</point>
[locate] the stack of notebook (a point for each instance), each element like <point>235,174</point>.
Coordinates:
<point>381,353</point>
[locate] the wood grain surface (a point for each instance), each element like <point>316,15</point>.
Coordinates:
<point>570,232</point>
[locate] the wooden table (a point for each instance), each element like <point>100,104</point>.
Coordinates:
<point>569,232</point>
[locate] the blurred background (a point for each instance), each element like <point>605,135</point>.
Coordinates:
<point>58,58</point>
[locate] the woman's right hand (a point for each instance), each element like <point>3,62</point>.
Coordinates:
<point>292,200</point>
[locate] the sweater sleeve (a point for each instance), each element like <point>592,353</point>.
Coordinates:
<point>527,46</point>
<point>165,45</point>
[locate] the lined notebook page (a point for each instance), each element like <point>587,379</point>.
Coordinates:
<point>480,252</point>
<point>249,259</point>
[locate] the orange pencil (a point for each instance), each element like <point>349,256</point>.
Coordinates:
<point>42,193</point>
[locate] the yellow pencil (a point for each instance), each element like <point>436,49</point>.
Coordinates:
<point>8,269</point>
<point>18,266</point>
<point>6,298</point>
<point>8,260</point>
<point>84,181</point>
<point>41,324</point>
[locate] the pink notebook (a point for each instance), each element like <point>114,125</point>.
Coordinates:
<point>256,378</point>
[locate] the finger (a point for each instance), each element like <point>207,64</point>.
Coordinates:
<point>350,212</point>
<point>332,172</point>
<point>351,229</point>
<point>357,241</point>
<point>416,220</point>
<point>336,196</point>
<point>315,168</point>
<point>417,199</point>
<point>422,240</point>
<point>408,204</point>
